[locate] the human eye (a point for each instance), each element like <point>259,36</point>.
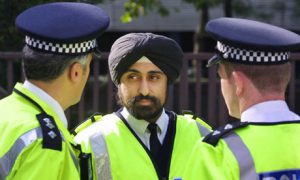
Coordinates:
<point>154,77</point>
<point>132,76</point>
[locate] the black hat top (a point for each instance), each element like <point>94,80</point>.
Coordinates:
<point>251,42</point>
<point>162,51</point>
<point>63,27</point>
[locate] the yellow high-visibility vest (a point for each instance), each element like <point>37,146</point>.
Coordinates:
<point>255,151</point>
<point>119,154</point>
<point>30,150</point>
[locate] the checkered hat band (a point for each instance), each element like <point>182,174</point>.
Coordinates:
<point>61,48</point>
<point>244,55</point>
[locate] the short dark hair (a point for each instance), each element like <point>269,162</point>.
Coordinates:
<point>47,66</point>
<point>266,78</point>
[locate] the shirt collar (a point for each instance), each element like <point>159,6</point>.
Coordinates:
<point>269,111</point>
<point>140,126</point>
<point>48,99</point>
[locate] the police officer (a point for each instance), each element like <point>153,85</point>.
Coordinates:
<point>253,65</point>
<point>60,40</point>
<point>142,140</point>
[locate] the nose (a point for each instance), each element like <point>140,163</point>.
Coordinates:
<point>144,88</point>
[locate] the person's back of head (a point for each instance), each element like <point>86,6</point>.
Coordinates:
<point>261,51</point>
<point>47,66</point>
<point>253,60</point>
<point>54,38</point>
<point>263,76</point>
<point>60,39</point>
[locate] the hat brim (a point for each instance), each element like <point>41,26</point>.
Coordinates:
<point>214,60</point>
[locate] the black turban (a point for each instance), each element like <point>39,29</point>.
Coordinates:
<point>164,52</point>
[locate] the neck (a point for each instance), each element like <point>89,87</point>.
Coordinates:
<point>53,89</point>
<point>246,103</point>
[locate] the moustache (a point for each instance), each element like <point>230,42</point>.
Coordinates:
<point>139,98</point>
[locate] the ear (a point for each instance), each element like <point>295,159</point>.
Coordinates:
<point>75,72</point>
<point>239,81</point>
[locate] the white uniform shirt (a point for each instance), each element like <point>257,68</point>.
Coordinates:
<point>269,111</point>
<point>140,126</point>
<point>48,99</point>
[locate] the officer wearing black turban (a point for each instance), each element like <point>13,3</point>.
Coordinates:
<point>164,52</point>
<point>143,140</point>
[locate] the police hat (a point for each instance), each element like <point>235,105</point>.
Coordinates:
<point>250,42</point>
<point>63,27</point>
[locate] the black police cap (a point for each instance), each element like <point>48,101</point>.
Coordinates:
<point>63,27</point>
<point>250,42</point>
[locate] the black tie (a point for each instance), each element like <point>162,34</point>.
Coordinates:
<point>155,145</point>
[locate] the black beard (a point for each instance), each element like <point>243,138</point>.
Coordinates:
<point>148,113</point>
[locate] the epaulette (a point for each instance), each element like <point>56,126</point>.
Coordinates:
<point>52,139</point>
<point>86,123</point>
<point>51,135</point>
<point>190,114</point>
<point>214,137</point>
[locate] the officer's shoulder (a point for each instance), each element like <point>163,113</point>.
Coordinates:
<point>214,137</point>
<point>191,115</point>
<point>96,117</point>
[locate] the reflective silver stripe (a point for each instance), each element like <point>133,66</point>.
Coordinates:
<point>74,158</point>
<point>243,156</point>
<point>7,161</point>
<point>102,162</point>
<point>202,130</point>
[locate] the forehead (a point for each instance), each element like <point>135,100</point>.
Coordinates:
<point>144,67</point>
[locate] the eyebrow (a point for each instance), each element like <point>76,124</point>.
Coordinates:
<point>149,72</point>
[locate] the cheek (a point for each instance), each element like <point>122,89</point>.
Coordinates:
<point>86,72</point>
<point>125,92</point>
<point>85,78</point>
<point>226,90</point>
<point>161,92</point>
<point>223,87</point>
